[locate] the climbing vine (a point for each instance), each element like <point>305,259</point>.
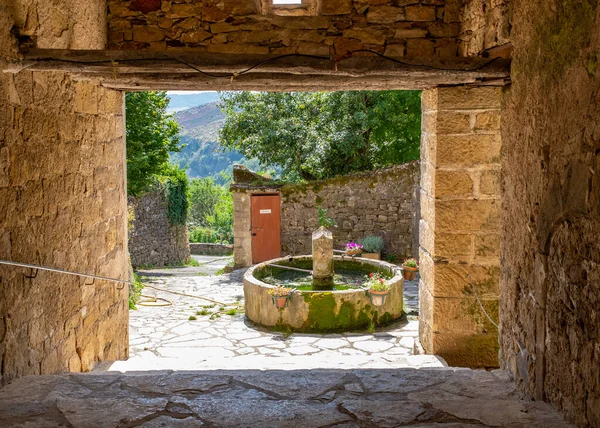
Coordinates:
<point>175,186</point>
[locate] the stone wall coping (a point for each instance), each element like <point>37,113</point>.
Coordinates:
<point>249,275</point>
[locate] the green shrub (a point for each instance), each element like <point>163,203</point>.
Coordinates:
<point>135,291</point>
<point>410,263</point>
<point>175,187</point>
<point>323,219</point>
<point>371,244</point>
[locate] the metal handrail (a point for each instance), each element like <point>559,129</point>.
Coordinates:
<point>26,265</point>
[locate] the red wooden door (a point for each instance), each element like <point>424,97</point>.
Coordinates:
<point>266,233</point>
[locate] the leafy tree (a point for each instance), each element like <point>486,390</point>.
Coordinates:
<point>203,196</point>
<point>174,181</point>
<point>151,134</point>
<point>320,135</point>
<point>211,211</point>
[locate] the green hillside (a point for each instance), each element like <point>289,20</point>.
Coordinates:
<point>202,156</point>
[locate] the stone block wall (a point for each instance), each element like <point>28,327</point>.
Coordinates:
<point>412,28</point>
<point>382,202</point>
<point>62,205</point>
<point>460,224</point>
<point>153,241</point>
<point>59,24</point>
<point>211,249</point>
<point>550,252</point>
<point>242,224</point>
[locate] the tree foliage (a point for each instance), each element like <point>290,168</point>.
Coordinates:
<point>320,135</point>
<point>175,183</point>
<point>211,211</point>
<point>151,134</point>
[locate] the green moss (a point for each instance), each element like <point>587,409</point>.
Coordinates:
<point>561,35</point>
<point>592,65</point>
<point>384,319</point>
<point>324,316</point>
<point>484,348</point>
<point>473,309</point>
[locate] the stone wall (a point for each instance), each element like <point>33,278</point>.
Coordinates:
<point>485,24</point>
<point>380,203</point>
<point>62,193</point>
<point>211,249</point>
<point>59,24</point>
<point>550,253</point>
<point>412,28</point>
<point>460,224</point>
<point>152,240</point>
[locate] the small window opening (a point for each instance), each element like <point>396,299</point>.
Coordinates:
<point>290,7</point>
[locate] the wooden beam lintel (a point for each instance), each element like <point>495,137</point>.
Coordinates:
<point>144,62</point>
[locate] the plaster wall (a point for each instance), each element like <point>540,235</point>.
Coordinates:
<point>62,205</point>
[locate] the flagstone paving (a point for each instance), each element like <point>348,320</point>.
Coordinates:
<point>165,337</point>
<point>440,398</point>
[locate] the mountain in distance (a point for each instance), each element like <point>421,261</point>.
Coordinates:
<point>181,101</point>
<point>202,157</point>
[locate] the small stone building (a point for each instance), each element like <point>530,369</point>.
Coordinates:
<point>383,203</point>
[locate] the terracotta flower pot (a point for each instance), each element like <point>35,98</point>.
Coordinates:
<point>280,301</point>
<point>372,256</point>
<point>410,272</point>
<point>353,252</point>
<point>378,297</point>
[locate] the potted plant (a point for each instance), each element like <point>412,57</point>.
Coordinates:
<point>280,295</point>
<point>378,289</point>
<point>372,246</point>
<point>353,249</point>
<point>410,268</point>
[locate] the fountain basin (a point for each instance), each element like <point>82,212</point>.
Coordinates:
<point>323,311</point>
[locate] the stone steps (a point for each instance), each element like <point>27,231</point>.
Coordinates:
<point>440,397</point>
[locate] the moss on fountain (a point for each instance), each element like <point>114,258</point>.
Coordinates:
<point>320,311</point>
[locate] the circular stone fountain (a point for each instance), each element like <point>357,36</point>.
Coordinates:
<point>328,295</point>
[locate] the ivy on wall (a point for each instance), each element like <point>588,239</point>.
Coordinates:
<point>175,186</point>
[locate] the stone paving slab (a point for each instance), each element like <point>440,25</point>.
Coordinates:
<point>442,397</point>
<point>164,337</point>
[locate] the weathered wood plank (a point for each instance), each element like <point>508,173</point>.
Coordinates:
<point>153,70</point>
<point>281,82</point>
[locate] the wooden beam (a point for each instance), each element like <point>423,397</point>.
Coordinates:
<point>168,70</point>
<point>281,82</point>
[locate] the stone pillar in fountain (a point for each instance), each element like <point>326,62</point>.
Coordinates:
<point>322,250</point>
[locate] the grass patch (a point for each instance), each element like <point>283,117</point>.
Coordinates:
<point>192,262</point>
<point>135,291</point>
<point>231,312</point>
<point>203,312</point>
<point>225,269</point>
<point>192,318</point>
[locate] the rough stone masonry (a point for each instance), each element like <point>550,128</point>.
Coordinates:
<point>62,199</point>
<point>410,28</point>
<point>153,241</point>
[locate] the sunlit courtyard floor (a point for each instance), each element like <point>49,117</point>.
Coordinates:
<point>165,337</point>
